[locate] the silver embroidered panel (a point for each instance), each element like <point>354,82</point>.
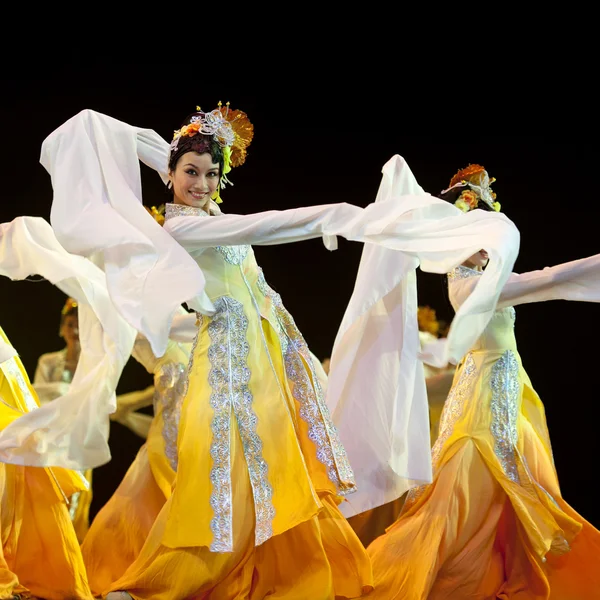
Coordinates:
<point>505,409</point>
<point>309,394</point>
<point>453,408</point>
<point>182,210</point>
<point>462,272</point>
<point>234,255</point>
<point>11,367</point>
<point>267,291</point>
<point>229,377</point>
<point>199,322</point>
<point>169,392</point>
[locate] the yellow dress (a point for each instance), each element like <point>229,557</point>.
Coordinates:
<point>121,527</point>
<point>254,509</point>
<point>40,554</point>
<point>493,523</point>
<point>52,380</point>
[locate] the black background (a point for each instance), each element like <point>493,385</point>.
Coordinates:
<point>314,146</point>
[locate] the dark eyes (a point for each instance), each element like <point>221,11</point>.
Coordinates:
<point>193,172</point>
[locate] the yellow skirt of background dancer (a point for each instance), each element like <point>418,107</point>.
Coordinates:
<point>39,553</point>
<point>121,527</point>
<point>493,523</point>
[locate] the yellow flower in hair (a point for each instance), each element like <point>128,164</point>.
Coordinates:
<point>427,320</point>
<point>226,160</point>
<point>496,206</point>
<point>470,198</point>
<point>216,195</point>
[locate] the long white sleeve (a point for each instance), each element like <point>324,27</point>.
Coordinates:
<point>71,431</point>
<point>577,280</point>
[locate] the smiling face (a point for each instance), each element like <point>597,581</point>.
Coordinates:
<point>194,179</point>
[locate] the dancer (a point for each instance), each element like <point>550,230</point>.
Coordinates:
<point>52,379</point>
<point>39,553</point>
<point>250,492</point>
<point>55,370</point>
<point>493,524</point>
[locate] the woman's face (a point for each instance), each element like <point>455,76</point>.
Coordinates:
<point>69,330</point>
<point>478,260</point>
<point>195,179</point>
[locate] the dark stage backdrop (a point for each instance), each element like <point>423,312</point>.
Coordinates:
<point>310,151</point>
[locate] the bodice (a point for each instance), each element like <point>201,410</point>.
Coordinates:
<point>499,333</point>
<point>230,271</point>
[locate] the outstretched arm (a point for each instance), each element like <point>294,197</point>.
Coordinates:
<point>578,280</point>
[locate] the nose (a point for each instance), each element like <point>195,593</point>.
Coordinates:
<point>201,184</point>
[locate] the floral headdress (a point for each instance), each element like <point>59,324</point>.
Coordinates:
<point>231,129</point>
<point>474,185</point>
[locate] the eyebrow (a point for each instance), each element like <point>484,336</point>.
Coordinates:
<point>195,167</point>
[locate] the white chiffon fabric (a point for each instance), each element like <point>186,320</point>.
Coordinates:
<point>376,388</point>
<point>6,351</point>
<point>577,280</point>
<point>72,431</point>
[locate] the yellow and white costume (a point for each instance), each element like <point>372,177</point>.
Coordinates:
<point>39,551</point>
<point>493,524</point>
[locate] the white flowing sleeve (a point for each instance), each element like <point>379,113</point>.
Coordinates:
<point>97,211</point>
<point>47,392</point>
<point>269,228</point>
<point>578,280</point>
<point>72,431</point>
<point>6,351</point>
<point>433,353</point>
<point>376,389</point>
<point>184,328</point>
